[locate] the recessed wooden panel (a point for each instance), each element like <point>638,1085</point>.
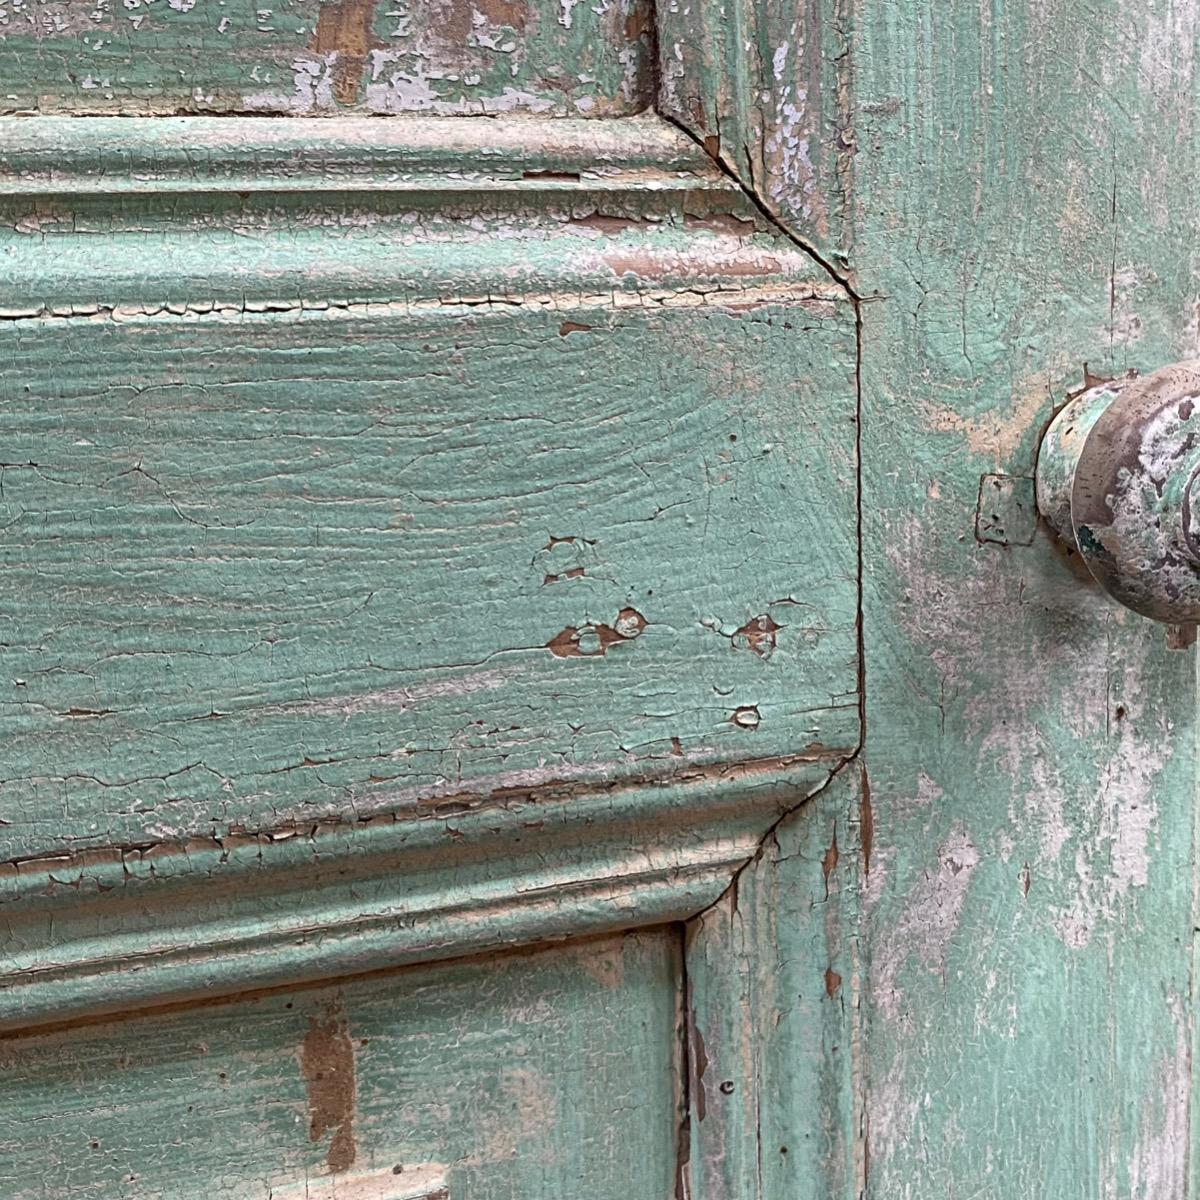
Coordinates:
<point>442,57</point>
<point>545,1076</point>
<point>270,565</point>
<point>330,509</point>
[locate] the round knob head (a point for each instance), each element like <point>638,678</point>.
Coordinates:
<point>1134,496</point>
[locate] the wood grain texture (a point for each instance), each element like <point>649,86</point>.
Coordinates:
<point>1024,184</point>
<point>421,541</point>
<point>773,974</point>
<point>327,507</point>
<point>1019,205</point>
<point>765,87</point>
<point>545,1076</point>
<point>1009,914</point>
<point>443,57</point>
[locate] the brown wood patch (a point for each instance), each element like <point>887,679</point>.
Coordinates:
<point>327,1060</point>
<point>346,28</point>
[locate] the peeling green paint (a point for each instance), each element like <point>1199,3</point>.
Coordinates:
<point>322,57</point>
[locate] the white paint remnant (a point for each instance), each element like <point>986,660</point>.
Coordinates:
<point>414,1182</point>
<point>875,884</point>
<point>1158,1164</point>
<point>779,61</point>
<point>631,68</point>
<point>415,91</point>
<point>928,923</point>
<point>1113,855</point>
<point>1127,327</point>
<point>893,1111</point>
<point>1116,857</point>
<point>927,793</point>
<point>1046,807</point>
<point>395,697</point>
<point>1106,831</point>
<point>788,150</point>
<point>312,88</point>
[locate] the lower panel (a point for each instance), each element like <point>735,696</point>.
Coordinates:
<point>547,1074</point>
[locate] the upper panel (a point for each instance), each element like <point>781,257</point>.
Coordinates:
<point>442,57</point>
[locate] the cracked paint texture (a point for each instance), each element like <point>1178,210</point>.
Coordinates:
<point>322,57</point>
<point>1027,931</point>
<point>328,531</point>
<point>563,1058</point>
<point>982,928</point>
<point>1005,191</point>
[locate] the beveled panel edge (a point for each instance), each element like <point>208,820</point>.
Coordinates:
<point>765,86</point>
<point>123,928</point>
<point>189,272</point>
<point>55,155</point>
<point>772,1004</point>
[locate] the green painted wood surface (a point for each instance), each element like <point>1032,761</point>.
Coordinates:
<point>1019,202</point>
<point>324,56</point>
<point>112,929</point>
<point>1024,205</point>
<point>643,162</point>
<point>1006,191</point>
<point>548,1076</point>
<point>766,87</point>
<point>335,506</point>
<point>774,979</point>
<point>359,440</point>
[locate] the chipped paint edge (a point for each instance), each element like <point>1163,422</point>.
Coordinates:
<point>131,155</point>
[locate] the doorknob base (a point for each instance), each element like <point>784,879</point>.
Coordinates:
<point>1058,455</point>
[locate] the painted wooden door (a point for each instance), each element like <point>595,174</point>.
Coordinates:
<point>529,665</point>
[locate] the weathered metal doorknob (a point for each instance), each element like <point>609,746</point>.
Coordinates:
<point>1117,479</point>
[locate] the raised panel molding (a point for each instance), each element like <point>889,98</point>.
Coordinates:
<point>73,156</point>
<point>127,927</point>
<point>260,793</point>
